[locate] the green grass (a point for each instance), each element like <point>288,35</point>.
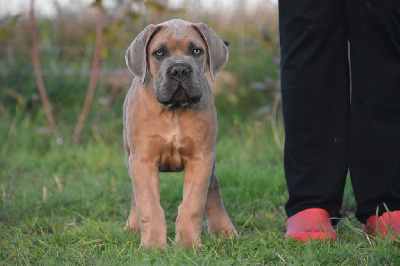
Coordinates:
<point>68,204</point>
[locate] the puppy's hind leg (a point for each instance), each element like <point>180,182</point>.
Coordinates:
<point>218,221</point>
<point>133,221</point>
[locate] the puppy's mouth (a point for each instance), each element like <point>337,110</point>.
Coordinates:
<point>181,98</point>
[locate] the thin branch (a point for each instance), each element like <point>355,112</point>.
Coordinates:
<point>38,73</point>
<point>114,92</point>
<point>274,127</point>
<point>5,114</point>
<point>93,79</point>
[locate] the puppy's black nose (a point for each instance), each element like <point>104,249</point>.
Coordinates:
<point>179,71</point>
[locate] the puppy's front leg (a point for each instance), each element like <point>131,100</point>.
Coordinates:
<point>153,228</point>
<point>190,211</point>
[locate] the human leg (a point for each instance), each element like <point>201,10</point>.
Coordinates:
<point>374,149</point>
<point>315,95</point>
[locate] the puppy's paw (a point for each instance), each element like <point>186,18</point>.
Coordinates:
<point>154,245</point>
<point>132,224</point>
<point>154,236</point>
<point>188,239</point>
<point>222,228</point>
<point>227,233</point>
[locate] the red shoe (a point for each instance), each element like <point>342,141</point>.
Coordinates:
<point>389,222</point>
<point>314,223</point>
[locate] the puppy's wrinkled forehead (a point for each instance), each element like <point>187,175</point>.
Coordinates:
<point>177,36</point>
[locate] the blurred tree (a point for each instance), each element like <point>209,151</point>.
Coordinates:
<point>7,31</point>
<point>95,73</point>
<point>157,8</point>
<point>38,74</point>
<point>5,115</point>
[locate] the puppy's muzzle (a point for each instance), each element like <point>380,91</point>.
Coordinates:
<point>181,91</point>
<point>179,71</point>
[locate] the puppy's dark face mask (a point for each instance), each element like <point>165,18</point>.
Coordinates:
<point>177,60</point>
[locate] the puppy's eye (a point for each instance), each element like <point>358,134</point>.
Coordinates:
<point>197,51</point>
<point>159,53</point>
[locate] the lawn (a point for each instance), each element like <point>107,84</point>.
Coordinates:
<point>68,204</point>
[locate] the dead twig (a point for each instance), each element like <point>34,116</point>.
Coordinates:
<point>113,93</point>
<point>274,126</point>
<point>94,77</point>
<point>38,73</point>
<point>5,114</point>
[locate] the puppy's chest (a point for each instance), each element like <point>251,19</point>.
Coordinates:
<point>175,140</point>
<point>176,148</point>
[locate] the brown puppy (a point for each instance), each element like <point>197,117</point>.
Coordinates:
<point>170,125</point>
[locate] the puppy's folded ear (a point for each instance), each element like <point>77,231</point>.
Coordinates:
<point>136,56</point>
<point>217,51</point>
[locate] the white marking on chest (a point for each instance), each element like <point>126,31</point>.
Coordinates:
<point>172,137</point>
<point>174,132</point>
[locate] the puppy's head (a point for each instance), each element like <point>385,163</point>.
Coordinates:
<point>172,58</point>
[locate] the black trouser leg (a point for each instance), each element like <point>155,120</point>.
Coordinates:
<point>374,151</point>
<point>315,98</point>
